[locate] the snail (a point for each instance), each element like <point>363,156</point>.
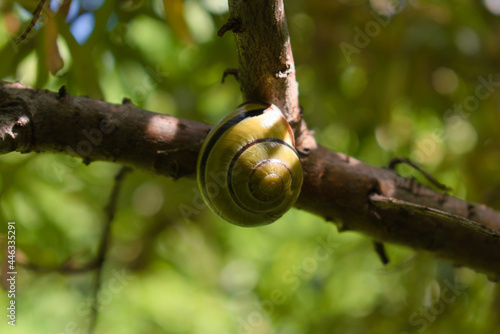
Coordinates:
<point>248,170</point>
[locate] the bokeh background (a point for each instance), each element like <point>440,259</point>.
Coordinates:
<point>377,79</point>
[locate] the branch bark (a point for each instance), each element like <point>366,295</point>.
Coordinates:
<point>370,200</point>
<point>374,201</point>
<point>266,66</point>
<point>356,196</point>
<point>43,121</point>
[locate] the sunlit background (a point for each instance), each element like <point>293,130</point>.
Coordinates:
<point>378,79</point>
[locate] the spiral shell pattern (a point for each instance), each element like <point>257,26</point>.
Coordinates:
<point>248,170</point>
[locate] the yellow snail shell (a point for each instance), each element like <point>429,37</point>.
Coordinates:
<point>248,170</point>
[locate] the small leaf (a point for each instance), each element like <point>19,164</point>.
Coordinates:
<point>53,58</point>
<point>174,10</point>
<point>12,23</point>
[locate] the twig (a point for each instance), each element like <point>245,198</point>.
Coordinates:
<point>36,16</point>
<point>396,161</point>
<point>103,246</point>
<point>393,203</point>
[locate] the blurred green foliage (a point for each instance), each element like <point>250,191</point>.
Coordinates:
<point>378,79</point>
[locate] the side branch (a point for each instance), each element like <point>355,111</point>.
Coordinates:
<point>370,200</point>
<point>266,67</point>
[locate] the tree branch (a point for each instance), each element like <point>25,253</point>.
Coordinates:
<point>266,67</point>
<point>43,121</point>
<point>374,201</point>
<point>370,200</point>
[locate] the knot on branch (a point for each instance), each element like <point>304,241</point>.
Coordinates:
<point>15,127</point>
<point>284,73</point>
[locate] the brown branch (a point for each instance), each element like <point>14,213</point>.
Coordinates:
<point>43,121</point>
<point>374,201</point>
<point>266,66</point>
<point>370,200</point>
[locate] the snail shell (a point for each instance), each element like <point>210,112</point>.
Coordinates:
<point>248,170</point>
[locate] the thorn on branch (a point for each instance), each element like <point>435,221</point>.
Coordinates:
<point>230,71</point>
<point>394,162</point>
<point>471,211</point>
<point>380,250</point>
<point>232,24</point>
<point>62,92</point>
